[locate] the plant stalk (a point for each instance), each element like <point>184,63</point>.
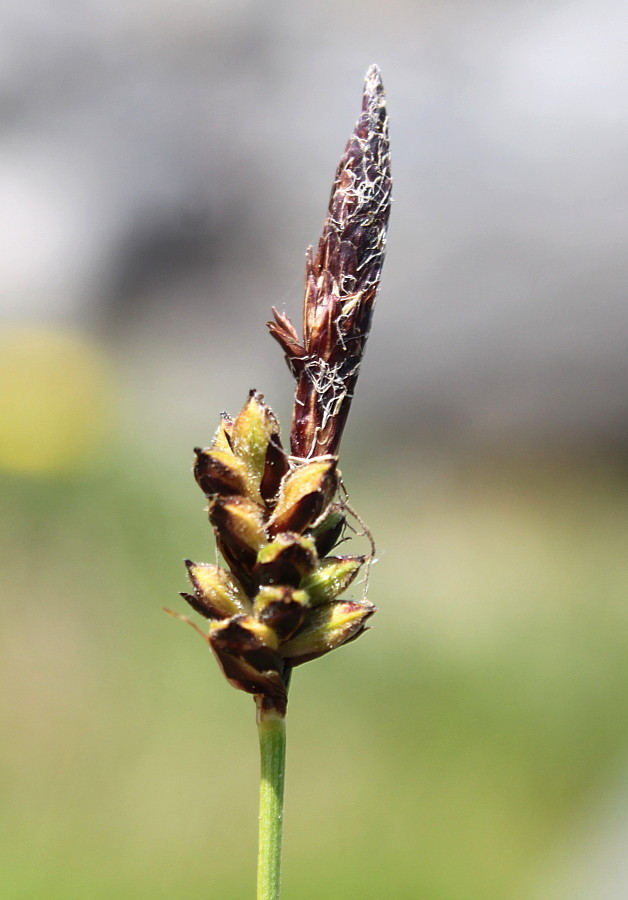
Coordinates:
<point>272,742</point>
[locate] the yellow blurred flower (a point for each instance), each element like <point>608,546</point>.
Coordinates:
<point>55,399</point>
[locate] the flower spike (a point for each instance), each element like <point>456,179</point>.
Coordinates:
<point>341,282</point>
<point>277,517</point>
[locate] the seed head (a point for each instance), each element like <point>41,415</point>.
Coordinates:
<point>277,517</point>
<point>276,606</point>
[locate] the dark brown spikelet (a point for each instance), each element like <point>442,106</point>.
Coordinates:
<point>341,283</point>
<point>277,517</point>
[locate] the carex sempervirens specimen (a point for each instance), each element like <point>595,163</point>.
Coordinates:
<point>277,513</point>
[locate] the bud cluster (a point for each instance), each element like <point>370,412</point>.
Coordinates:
<point>276,520</point>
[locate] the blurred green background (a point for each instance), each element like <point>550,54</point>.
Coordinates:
<point>162,169</point>
<point>451,753</point>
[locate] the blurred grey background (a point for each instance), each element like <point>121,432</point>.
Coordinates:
<point>163,166</point>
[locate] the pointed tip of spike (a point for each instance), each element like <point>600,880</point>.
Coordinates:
<point>373,80</point>
<point>374,100</point>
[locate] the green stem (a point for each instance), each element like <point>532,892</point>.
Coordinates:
<point>272,742</point>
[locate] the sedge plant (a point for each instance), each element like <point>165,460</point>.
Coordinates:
<point>278,513</point>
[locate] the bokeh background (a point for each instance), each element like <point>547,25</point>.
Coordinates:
<point>162,168</point>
